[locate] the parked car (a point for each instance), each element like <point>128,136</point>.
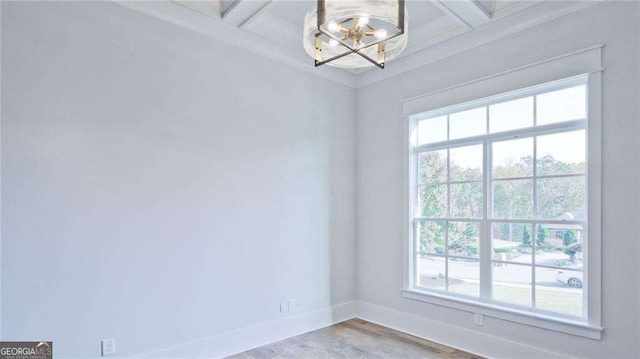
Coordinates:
<point>569,277</point>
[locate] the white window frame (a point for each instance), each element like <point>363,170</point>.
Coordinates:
<point>583,65</point>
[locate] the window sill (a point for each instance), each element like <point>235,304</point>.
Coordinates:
<point>568,326</point>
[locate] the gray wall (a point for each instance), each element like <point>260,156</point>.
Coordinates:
<point>380,144</point>
<point>159,186</point>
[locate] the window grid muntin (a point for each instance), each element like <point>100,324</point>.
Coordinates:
<point>487,220</point>
<point>534,226</point>
<point>549,129</point>
<point>539,177</point>
<point>508,96</point>
<point>448,195</point>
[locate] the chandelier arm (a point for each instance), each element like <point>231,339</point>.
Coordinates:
<point>320,63</point>
<point>380,65</point>
<point>351,51</point>
<point>332,36</point>
<point>401,16</point>
<point>379,41</point>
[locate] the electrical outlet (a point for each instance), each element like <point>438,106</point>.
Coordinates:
<point>108,346</point>
<point>478,319</point>
<point>284,307</point>
<point>293,305</point>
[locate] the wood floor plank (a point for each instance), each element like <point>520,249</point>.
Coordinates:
<point>355,339</point>
<point>396,335</point>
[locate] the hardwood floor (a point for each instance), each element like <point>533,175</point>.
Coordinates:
<point>357,339</point>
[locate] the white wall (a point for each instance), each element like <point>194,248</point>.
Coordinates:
<point>380,146</point>
<point>159,186</point>
<point>145,169</point>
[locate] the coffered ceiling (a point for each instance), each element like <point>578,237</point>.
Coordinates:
<point>273,28</point>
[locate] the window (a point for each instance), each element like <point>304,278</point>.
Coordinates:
<point>498,198</point>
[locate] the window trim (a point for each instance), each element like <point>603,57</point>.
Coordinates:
<point>591,327</point>
<point>508,313</point>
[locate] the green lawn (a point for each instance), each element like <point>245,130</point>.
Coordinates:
<point>563,300</point>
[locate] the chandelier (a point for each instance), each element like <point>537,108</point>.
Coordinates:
<point>355,33</point>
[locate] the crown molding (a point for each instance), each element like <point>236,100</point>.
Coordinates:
<point>516,22</point>
<point>191,19</point>
<point>287,34</point>
<point>439,39</point>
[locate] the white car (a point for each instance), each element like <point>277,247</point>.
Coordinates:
<point>571,278</point>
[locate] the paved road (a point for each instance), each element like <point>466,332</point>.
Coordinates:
<point>510,273</point>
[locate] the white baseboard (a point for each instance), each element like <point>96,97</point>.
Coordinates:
<point>237,341</point>
<point>240,340</point>
<point>453,336</point>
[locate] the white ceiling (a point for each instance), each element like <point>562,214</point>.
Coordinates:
<point>420,11</point>
<point>281,21</point>
<point>274,27</point>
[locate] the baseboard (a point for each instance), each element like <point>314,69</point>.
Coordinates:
<point>237,341</point>
<point>453,336</point>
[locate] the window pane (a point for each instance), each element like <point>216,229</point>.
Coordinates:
<point>432,130</point>
<point>431,237</point>
<point>559,290</point>
<point>466,163</point>
<point>512,284</point>
<point>431,272</point>
<point>557,196</point>
<point>511,115</point>
<point>559,245</point>
<point>432,166</point>
<point>513,158</point>
<point>512,242</point>
<point>464,277</point>
<point>466,200</point>
<point>563,105</point>
<point>513,199</point>
<point>464,239</point>
<point>561,153</point>
<point>468,123</point>
<point>433,200</point>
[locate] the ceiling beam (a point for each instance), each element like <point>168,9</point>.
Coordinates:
<point>208,8</point>
<point>468,13</point>
<point>240,12</point>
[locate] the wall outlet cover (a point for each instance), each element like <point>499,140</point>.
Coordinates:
<point>293,305</point>
<point>108,346</point>
<point>284,307</point>
<point>478,319</point>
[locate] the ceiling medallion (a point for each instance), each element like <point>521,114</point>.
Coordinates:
<point>355,33</point>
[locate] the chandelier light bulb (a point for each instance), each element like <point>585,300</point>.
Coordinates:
<point>333,26</point>
<point>380,34</point>
<point>363,20</point>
